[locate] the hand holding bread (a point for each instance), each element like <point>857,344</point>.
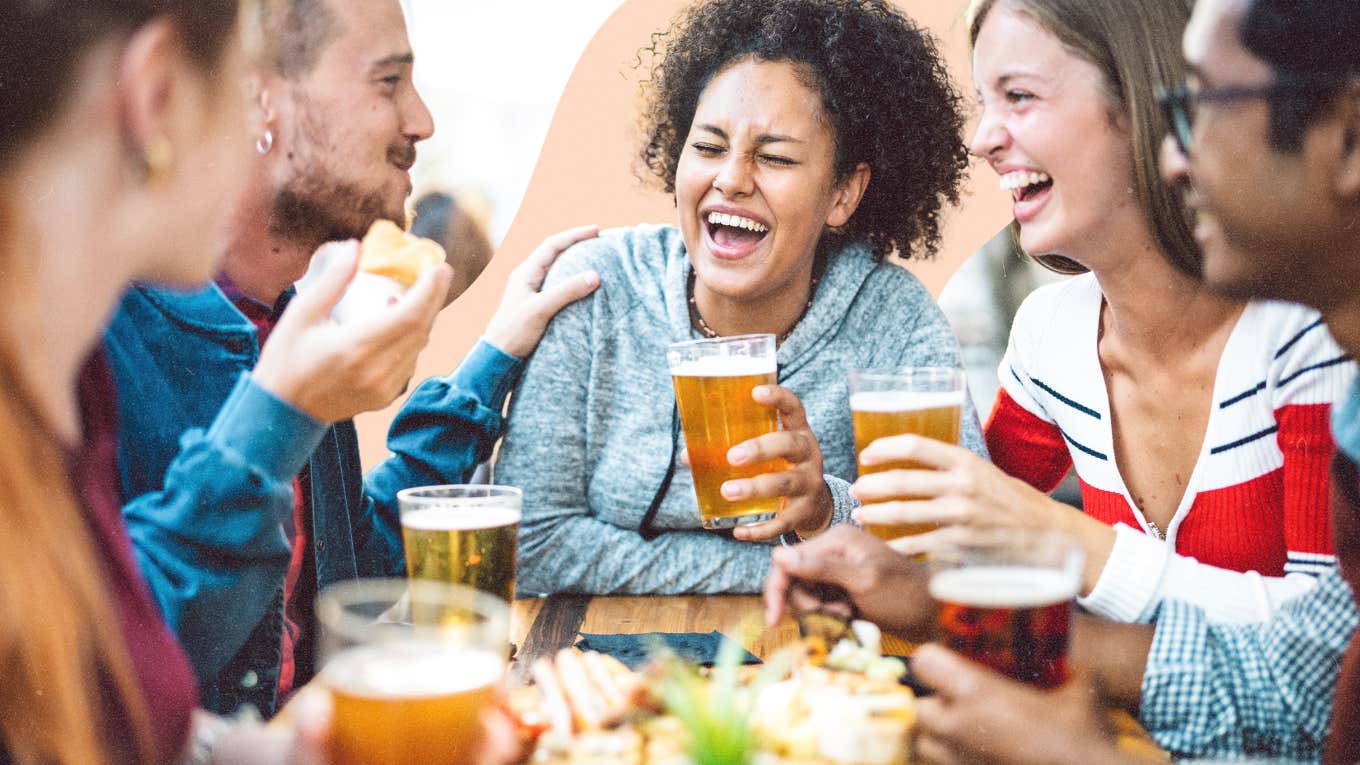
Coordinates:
<point>334,371</point>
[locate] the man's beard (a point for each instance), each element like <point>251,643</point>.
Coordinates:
<point>315,205</point>
<point>313,208</point>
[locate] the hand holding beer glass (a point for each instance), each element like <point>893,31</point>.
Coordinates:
<point>412,667</point>
<point>1006,600</point>
<point>714,380</point>
<point>462,534</point>
<point>925,401</point>
<point>757,465</point>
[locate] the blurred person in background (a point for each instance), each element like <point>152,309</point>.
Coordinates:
<point>243,489</point>
<point>440,217</point>
<point>806,142</point>
<point>1197,423</point>
<point>1267,155</point>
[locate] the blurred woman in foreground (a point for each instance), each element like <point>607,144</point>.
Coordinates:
<point>123,139</point>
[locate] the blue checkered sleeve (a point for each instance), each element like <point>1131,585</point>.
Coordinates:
<point>1218,690</point>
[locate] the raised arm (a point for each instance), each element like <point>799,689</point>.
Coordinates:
<point>450,424</point>
<point>204,507</point>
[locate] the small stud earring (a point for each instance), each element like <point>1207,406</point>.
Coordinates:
<point>159,157</point>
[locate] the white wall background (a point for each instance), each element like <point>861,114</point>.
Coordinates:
<point>492,72</point>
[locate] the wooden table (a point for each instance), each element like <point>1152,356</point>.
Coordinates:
<point>542,626</point>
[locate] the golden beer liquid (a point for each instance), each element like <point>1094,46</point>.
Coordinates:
<point>880,414</point>
<point>399,710</point>
<point>475,546</point>
<point>717,413</point>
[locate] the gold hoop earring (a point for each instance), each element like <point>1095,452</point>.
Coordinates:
<point>159,157</point>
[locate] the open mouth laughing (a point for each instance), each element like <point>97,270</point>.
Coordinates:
<point>732,235</point>
<point>1030,189</point>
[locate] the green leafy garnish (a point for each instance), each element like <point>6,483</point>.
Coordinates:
<point>715,711</point>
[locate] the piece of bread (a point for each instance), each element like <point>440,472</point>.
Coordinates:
<point>389,251</point>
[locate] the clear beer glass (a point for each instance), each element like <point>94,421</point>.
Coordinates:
<point>411,666</point>
<point>925,401</point>
<point>713,383</point>
<point>462,534</point>
<point>1006,598</point>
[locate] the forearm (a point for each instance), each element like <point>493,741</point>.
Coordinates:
<point>1140,573</point>
<point>1096,539</point>
<point>448,426</point>
<point>1115,655</point>
<point>1224,690</point>
<point>210,541</point>
<point>577,553</point>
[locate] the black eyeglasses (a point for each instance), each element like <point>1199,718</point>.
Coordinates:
<point>1178,104</point>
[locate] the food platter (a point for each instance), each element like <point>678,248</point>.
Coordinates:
<point>808,703</point>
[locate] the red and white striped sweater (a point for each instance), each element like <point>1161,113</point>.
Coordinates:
<point>1257,498</point>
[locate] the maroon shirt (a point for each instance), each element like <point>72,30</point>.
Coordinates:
<point>159,664</point>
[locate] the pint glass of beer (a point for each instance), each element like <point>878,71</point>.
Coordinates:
<point>462,534</point>
<point>411,667</point>
<point>926,401</point>
<point>713,383</point>
<point>1005,600</point>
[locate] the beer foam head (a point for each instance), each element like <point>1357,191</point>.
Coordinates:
<point>395,673</point>
<point>724,366</point>
<point>456,516</point>
<point>904,400</point>
<point>1003,586</point>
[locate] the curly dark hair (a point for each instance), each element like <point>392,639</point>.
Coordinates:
<point>882,83</point>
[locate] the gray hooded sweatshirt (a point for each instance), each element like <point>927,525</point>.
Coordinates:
<point>589,438</point>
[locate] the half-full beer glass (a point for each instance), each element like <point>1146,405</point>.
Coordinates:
<point>462,534</point>
<point>411,667</point>
<point>1005,599</point>
<point>713,383</point>
<point>926,401</point>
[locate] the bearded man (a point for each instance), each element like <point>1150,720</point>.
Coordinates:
<point>240,468</point>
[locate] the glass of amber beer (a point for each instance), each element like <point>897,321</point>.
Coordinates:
<point>926,401</point>
<point>713,383</point>
<point>462,534</point>
<point>1005,599</point>
<point>411,667</point>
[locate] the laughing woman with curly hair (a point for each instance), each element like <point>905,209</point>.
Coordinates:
<point>805,142</point>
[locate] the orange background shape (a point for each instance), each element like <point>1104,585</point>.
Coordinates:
<point>585,174</point>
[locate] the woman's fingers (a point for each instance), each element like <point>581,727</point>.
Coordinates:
<point>894,484</point>
<point>927,452</point>
<point>791,413</point>
<point>793,445</point>
<point>942,512</point>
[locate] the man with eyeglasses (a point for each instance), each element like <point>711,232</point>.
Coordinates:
<point>1265,141</point>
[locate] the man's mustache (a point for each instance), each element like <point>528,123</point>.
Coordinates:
<point>402,154</point>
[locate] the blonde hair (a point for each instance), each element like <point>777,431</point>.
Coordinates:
<point>1136,45</point>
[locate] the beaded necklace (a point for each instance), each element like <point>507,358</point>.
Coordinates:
<point>697,321</point>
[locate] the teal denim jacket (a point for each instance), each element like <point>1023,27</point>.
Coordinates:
<point>207,461</point>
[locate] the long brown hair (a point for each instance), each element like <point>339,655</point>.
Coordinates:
<point>1136,45</point>
<point>68,686</point>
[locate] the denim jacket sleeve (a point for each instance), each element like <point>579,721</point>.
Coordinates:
<point>210,541</point>
<point>448,426</point>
